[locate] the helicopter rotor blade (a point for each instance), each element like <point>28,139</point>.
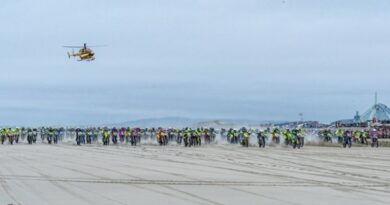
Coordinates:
<point>94,46</point>
<point>72,46</point>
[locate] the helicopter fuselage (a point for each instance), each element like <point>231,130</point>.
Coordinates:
<point>84,54</point>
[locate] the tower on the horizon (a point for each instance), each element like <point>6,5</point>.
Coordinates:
<point>376,98</point>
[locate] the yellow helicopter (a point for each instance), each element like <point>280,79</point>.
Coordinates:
<point>84,54</point>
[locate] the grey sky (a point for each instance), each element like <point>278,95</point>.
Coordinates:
<point>259,60</point>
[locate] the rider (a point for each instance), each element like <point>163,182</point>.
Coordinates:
<point>339,134</point>
<point>287,136</point>
<point>3,135</point>
<point>114,135</point>
<point>261,138</point>
<point>105,136</point>
<point>374,136</point>
<point>275,135</point>
<point>245,137</point>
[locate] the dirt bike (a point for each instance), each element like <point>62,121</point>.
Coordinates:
<point>186,141</point>
<point>114,139</point>
<point>363,140</point>
<point>55,138</point>
<point>35,135</point>
<point>89,138</point>
<point>49,138</point>
<point>133,140</point>
<point>245,142</point>
<point>295,143</point>
<point>16,138</point>
<point>78,139</point>
<point>275,139</point>
<point>193,141</point>
<point>374,142</point>
<point>106,139</point>
<point>162,140</point>
<point>328,138</point>
<point>234,139</point>
<point>347,141</point>
<point>261,141</point>
<point>2,137</point>
<point>179,138</point>
<point>30,138</point>
<point>11,138</point>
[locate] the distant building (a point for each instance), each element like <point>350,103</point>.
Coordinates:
<point>377,113</point>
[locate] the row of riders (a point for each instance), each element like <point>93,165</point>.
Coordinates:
<point>348,136</point>
<point>13,135</point>
<point>296,137</point>
<point>293,137</point>
<point>188,137</point>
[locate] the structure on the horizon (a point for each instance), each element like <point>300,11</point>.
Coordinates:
<point>377,113</point>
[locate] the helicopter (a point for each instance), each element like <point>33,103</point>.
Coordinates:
<point>84,54</point>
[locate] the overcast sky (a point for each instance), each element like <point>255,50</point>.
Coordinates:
<point>230,59</point>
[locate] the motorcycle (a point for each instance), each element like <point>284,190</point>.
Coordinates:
<point>179,138</point>
<point>245,141</point>
<point>193,140</point>
<point>114,138</point>
<point>328,138</point>
<point>35,135</point>
<point>133,139</point>
<point>106,139</point>
<point>16,137</point>
<point>80,137</point>
<point>261,141</point>
<point>233,139</point>
<point>56,136</point>
<point>347,141</point>
<point>374,142</point>
<point>2,138</point>
<point>89,137</point>
<point>30,137</point>
<point>11,138</point>
<point>49,138</point>
<point>295,142</point>
<point>185,139</point>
